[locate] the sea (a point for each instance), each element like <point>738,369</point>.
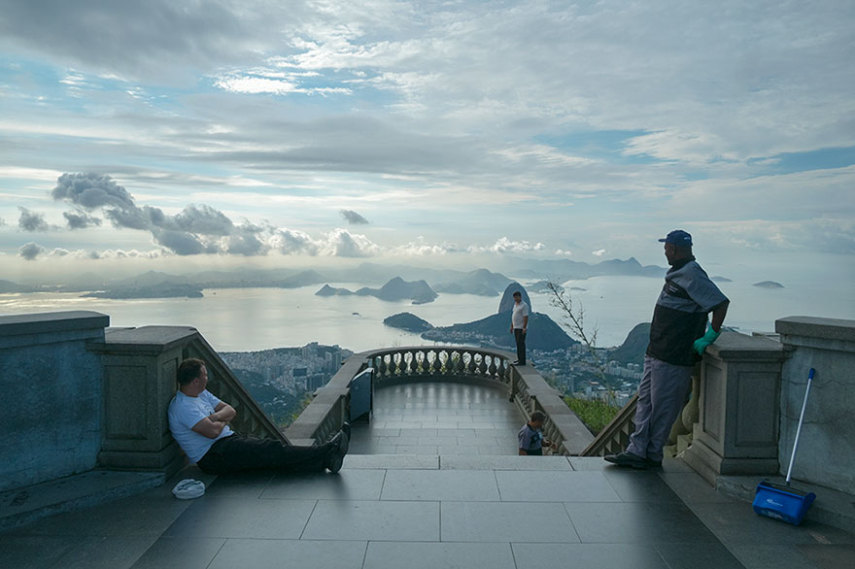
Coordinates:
<point>252,319</point>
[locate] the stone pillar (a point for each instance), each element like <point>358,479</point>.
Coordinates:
<point>139,381</point>
<point>51,386</point>
<point>826,453</point>
<point>737,429</point>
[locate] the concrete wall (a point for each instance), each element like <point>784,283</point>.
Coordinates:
<point>826,452</point>
<point>52,395</point>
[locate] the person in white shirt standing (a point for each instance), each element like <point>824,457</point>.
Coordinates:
<point>519,326</point>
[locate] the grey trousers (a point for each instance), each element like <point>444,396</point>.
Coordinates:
<point>662,394</point>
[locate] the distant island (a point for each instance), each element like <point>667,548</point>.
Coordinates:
<point>768,285</point>
<point>409,322</point>
<point>720,279</point>
<point>153,291</point>
<point>328,290</point>
<point>419,292</point>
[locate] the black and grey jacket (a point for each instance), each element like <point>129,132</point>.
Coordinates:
<point>680,316</point>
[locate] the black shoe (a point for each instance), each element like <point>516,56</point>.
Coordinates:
<point>345,428</point>
<point>627,459</point>
<point>335,462</point>
<point>338,447</point>
<point>653,463</point>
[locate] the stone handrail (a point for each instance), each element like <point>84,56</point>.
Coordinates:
<point>615,436</point>
<point>139,367</point>
<point>251,418</point>
<point>562,427</point>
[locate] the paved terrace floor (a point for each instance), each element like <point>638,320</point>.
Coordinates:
<point>412,508</point>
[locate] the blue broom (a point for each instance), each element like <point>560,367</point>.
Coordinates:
<point>781,502</point>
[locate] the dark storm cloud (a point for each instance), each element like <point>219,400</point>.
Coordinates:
<point>32,221</point>
<point>90,191</point>
<point>30,251</point>
<point>80,220</point>
<point>353,218</point>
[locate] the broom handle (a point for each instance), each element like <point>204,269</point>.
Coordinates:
<point>799,428</point>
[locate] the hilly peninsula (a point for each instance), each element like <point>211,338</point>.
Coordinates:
<point>544,334</point>
<point>164,290</point>
<point>409,322</point>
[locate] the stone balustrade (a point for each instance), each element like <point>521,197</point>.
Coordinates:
<point>525,387</point>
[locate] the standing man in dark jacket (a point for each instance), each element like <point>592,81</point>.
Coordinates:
<point>678,337</point>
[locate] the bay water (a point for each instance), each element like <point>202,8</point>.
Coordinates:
<point>250,319</point>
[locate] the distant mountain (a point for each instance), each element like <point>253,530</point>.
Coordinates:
<point>399,289</point>
<point>543,287</point>
<point>166,290</point>
<point>633,348</point>
<point>720,279</point>
<point>543,333</point>
<point>507,302</point>
<point>395,290</point>
<point>149,279</point>
<point>768,285</point>
<point>480,282</point>
<point>304,278</point>
<point>9,286</point>
<point>409,322</point>
<point>327,290</point>
<point>561,270</point>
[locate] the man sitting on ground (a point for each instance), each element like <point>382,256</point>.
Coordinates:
<point>199,422</point>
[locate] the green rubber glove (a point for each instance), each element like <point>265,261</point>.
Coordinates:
<point>701,343</point>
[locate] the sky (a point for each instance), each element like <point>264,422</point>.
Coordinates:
<point>182,133</point>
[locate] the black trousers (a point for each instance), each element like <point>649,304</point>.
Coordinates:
<point>237,452</point>
<point>519,336</point>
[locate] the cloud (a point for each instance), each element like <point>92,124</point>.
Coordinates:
<point>30,251</point>
<point>156,39</point>
<point>204,220</point>
<point>598,252</point>
<point>342,243</point>
<point>504,245</point>
<point>91,191</point>
<point>32,221</point>
<point>179,242</point>
<point>193,231</point>
<point>80,220</point>
<point>290,242</point>
<point>246,242</point>
<point>353,218</point>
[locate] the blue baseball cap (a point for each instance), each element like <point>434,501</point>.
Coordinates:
<point>679,238</point>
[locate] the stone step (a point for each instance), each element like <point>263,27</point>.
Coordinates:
<point>28,504</point>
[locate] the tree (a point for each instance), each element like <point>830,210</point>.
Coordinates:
<point>573,317</point>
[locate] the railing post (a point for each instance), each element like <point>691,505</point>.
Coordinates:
<point>826,455</point>
<point>139,382</point>
<point>737,429</point>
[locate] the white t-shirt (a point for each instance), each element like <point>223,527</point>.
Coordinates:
<point>184,412</point>
<point>520,311</point>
